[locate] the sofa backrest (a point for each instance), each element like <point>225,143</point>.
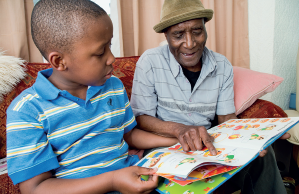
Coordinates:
<point>124,68</point>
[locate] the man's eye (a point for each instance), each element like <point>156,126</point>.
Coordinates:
<point>197,32</point>
<point>179,36</point>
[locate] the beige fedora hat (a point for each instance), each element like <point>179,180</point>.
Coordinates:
<point>177,11</point>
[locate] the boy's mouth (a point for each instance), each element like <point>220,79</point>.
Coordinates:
<point>109,74</point>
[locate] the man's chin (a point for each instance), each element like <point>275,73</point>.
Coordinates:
<point>187,64</point>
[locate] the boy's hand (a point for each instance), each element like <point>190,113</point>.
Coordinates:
<point>127,180</point>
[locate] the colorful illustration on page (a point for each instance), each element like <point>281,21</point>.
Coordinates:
<point>179,148</point>
<point>202,173</point>
<point>268,127</point>
<point>207,153</point>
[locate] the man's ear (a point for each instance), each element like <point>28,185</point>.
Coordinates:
<point>57,61</point>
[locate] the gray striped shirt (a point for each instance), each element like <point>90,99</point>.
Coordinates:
<point>160,88</point>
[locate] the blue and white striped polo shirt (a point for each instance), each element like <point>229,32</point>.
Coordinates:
<point>160,88</point>
<point>49,129</point>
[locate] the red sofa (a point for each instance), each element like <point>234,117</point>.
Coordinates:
<point>124,69</point>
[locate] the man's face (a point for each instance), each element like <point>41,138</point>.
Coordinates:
<point>186,42</point>
<point>90,61</point>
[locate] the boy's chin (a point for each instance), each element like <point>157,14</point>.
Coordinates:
<point>98,84</point>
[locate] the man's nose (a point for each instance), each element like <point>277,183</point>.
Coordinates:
<point>189,41</point>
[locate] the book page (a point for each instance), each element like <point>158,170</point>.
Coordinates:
<point>249,133</point>
<point>175,161</point>
<point>237,142</point>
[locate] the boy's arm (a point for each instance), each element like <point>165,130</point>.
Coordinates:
<point>144,140</point>
<point>126,180</point>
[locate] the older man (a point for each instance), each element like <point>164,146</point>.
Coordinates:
<point>181,87</point>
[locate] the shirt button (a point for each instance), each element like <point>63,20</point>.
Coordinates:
<point>190,100</point>
<point>190,114</point>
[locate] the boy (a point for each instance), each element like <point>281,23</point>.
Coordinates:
<point>69,132</point>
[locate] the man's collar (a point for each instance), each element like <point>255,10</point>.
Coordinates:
<point>174,65</point>
<point>207,60</point>
<point>43,87</point>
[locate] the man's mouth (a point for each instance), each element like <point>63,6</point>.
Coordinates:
<point>188,54</point>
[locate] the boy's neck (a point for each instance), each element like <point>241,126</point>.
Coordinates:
<point>74,89</point>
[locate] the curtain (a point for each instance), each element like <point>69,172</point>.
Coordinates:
<point>227,31</point>
<point>15,32</point>
<point>137,18</point>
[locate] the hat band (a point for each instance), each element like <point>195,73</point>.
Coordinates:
<point>182,18</point>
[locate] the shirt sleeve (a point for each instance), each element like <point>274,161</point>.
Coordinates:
<point>29,152</point>
<point>144,97</point>
<point>225,104</point>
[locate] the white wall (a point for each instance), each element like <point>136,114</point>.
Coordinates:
<point>273,43</point>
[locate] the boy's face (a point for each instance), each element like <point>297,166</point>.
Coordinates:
<point>90,61</point>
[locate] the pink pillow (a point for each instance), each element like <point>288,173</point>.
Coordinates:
<point>250,85</point>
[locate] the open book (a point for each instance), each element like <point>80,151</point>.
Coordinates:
<point>237,143</point>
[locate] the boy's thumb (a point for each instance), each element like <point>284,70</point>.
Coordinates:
<point>146,171</point>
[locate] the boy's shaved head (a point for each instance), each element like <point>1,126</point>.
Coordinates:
<point>57,24</point>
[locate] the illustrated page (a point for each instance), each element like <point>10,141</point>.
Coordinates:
<point>236,143</point>
<point>249,133</point>
<point>174,161</point>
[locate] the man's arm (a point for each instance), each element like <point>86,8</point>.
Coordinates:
<point>190,137</point>
<point>126,180</point>
<point>223,118</point>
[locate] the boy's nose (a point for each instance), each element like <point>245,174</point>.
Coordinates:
<point>111,58</point>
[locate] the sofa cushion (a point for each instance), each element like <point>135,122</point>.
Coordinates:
<point>124,69</point>
<point>250,85</point>
<point>32,70</point>
<point>6,185</point>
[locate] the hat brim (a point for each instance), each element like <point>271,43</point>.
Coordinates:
<point>207,14</point>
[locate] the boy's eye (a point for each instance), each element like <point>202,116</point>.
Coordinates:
<point>101,54</point>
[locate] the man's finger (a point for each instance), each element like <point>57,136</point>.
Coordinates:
<point>263,153</point>
<point>285,136</point>
<point>190,142</point>
<point>198,143</point>
<point>208,141</point>
<point>183,142</point>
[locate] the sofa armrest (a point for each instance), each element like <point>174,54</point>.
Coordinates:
<point>262,109</point>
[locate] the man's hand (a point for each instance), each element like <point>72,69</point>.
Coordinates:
<point>127,180</point>
<point>194,138</point>
<point>284,136</point>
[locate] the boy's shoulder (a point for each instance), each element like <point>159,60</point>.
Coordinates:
<point>27,95</point>
<point>114,82</point>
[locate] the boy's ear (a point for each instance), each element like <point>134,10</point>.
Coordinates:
<point>57,61</point>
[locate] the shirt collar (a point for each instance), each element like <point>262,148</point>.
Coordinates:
<point>43,87</point>
<point>208,60</point>
<point>173,64</point>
